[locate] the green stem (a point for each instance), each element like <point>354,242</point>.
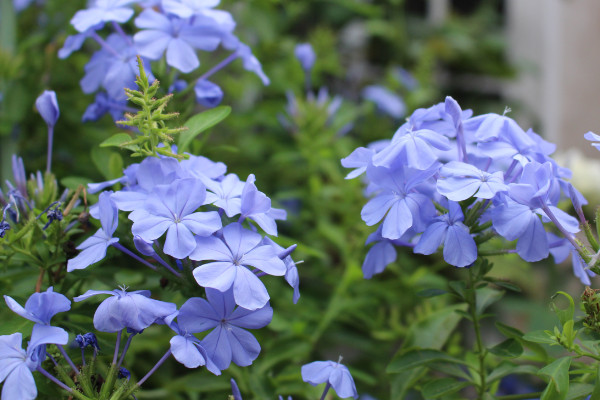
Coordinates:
<point>481,352</point>
<point>109,383</point>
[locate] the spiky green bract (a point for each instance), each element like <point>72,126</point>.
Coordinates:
<point>150,120</point>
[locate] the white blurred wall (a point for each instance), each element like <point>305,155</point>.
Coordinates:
<point>556,46</point>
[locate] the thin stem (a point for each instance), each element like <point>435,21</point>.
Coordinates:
<point>105,45</point>
<point>158,364</point>
<point>66,356</point>
<point>40,279</point>
<point>325,391</point>
<point>50,140</point>
<point>561,228</point>
<point>53,379</point>
<point>219,66</point>
<point>117,346</point>
<point>472,300</point>
<point>133,255</point>
<point>125,349</point>
<point>119,30</point>
<point>82,357</point>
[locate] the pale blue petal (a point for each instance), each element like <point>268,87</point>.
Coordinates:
<point>378,257</point>
<point>460,249</point>
<point>203,223</point>
<point>244,346</point>
<point>181,56</point>
<point>211,248</point>
<point>249,292</point>
<point>180,241</point>
<point>217,275</point>
<point>218,347</point>
<point>342,382</point>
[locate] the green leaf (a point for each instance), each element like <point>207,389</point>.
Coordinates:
<point>118,140</point>
<point>539,337</point>
<point>434,330</point>
<point>440,387</point>
<point>199,123</point>
<point>510,348</point>
<point>458,287</point>
<point>513,333</point>
<point>567,313</point>
<point>558,373</point>
<point>419,357</point>
<point>509,368</point>
<point>506,285</point>
<point>431,292</point>
<point>579,391</point>
<point>486,297</point>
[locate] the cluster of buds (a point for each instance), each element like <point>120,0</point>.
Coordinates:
<point>590,301</point>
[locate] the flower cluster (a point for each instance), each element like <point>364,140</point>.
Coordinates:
<point>202,218</point>
<point>449,179</point>
<point>171,29</point>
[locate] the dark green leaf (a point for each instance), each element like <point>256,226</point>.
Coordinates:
<point>486,297</point>
<point>419,357</point>
<point>440,387</point>
<point>510,348</point>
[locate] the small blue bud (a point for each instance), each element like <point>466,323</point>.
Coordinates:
<point>47,106</point>
<point>208,94</point>
<point>306,55</point>
<point>4,226</point>
<point>124,373</point>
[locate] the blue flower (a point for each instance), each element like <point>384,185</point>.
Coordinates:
<point>40,307</point>
<point>17,364</point>
<point>398,198</point>
<point>47,106</point>
<point>102,11</point>
<point>386,101</point>
<point>306,55</point>
<point>235,391</point>
<point>594,138</point>
<point>133,310</point>
<point>460,181</point>
<point>239,249</point>
<point>104,104</point>
<point>94,248</point>
<point>257,206</point>
<point>208,94</point>
<point>291,274</point>
<point>113,67</point>
<point>87,339</point>
<point>226,194</point>
<point>334,373</point>
<point>189,351</point>
<point>171,208</point>
<point>412,147</point>
<point>227,341</point>
<point>187,8</point>
<point>175,35</point>
<point>460,249</point>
